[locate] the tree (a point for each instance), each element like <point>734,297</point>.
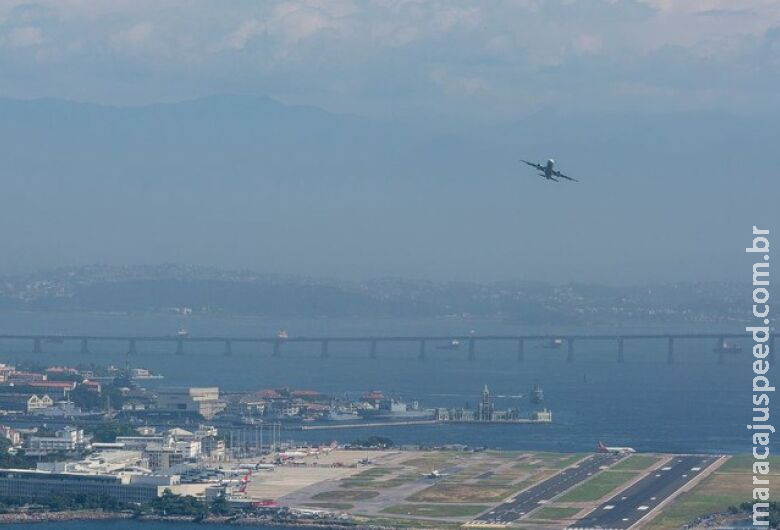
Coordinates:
<point>108,431</point>
<point>220,506</point>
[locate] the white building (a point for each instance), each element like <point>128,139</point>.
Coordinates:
<point>66,439</point>
<point>200,400</point>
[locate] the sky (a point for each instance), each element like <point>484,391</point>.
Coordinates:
<point>454,61</point>
<point>360,139</point>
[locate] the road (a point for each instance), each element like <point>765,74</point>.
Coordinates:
<point>533,497</point>
<point>626,508</point>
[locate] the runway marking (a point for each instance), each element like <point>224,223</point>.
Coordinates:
<point>667,468</point>
<point>609,506</point>
<point>695,469</point>
<point>643,508</point>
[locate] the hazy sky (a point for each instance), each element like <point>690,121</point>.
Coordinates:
<point>452,59</point>
<point>668,111</point>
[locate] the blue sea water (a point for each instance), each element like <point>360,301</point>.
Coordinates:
<point>694,405</point>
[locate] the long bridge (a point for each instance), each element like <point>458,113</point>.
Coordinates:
<point>450,343</point>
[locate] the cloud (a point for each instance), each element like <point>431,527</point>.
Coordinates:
<point>25,37</point>
<point>132,38</point>
<point>457,84</point>
<point>587,43</point>
<point>391,56</point>
<point>238,38</point>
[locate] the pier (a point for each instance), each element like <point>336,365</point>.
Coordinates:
<point>373,344</point>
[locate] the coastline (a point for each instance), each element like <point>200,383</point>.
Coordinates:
<point>75,515</point>
<point>99,515</point>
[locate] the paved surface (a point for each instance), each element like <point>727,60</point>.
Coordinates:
<point>626,508</point>
<point>536,495</point>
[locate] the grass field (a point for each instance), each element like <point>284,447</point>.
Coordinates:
<point>398,522</point>
<point>636,463</point>
<point>597,487</point>
<point>432,460</point>
<point>462,493</point>
<point>436,510</point>
<point>730,485</point>
<point>374,472</point>
<point>537,461</point>
<point>555,513</point>
<point>744,463</point>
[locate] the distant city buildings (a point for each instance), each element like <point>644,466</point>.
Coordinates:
<point>24,403</point>
<point>30,484</point>
<point>65,439</point>
<point>203,401</point>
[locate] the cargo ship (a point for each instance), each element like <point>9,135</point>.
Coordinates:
<point>376,406</point>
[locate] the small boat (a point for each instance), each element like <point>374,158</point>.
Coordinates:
<point>182,333</point>
<point>143,374</point>
<point>454,344</point>
<point>537,394</point>
<point>554,344</point>
<point>282,334</point>
<point>727,347</point>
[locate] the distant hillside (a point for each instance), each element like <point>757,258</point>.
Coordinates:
<point>175,288</point>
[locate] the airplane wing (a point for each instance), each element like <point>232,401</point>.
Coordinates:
<point>537,166</point>
<point>559,174</point>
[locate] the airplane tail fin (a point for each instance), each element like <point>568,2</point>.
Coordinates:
<point>600,446</point>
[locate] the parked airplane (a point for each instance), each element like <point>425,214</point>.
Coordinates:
<point>617,450</point>
<point>548,171</point>
<point>435,473</point>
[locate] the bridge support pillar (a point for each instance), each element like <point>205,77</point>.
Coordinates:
<point>620,357</point>
<point>521,350</point>
<point>37,346</point>
<point>179,347</point>
<point>84,346</point>
<point>670,351</point>
<point>421,355</point>
<point>570,351</point>
<point>228,348</point>
<point>277,348</point>
<point>472,349</point>
<point>372,353</point>
<point>131,349</point>
<point>324,349</point>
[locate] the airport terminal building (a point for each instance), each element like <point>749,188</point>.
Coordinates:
<point>27,484</point>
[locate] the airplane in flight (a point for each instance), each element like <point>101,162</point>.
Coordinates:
<point>616,450</point>
<point>549,172</point>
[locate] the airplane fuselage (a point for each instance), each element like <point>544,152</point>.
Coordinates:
<point>549,168</point>
<point>615,450</point>
<point>548,172</point>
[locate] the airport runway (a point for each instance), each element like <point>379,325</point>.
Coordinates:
<point>624,509</point>
<point>533,497</point>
